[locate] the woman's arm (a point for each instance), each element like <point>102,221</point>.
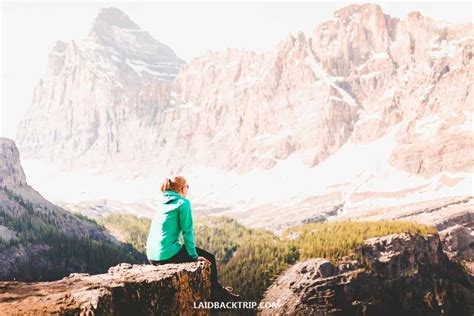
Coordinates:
<point>186,223</point>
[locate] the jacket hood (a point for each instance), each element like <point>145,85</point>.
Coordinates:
<point>170,196</point>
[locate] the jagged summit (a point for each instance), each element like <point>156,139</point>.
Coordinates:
<point>113,17</point>
<point>114,32</point>
<point>415,15</point>
<point>366,84</point>
<point>113,64</point>
<point>367,8</point>
<point>11,172</point>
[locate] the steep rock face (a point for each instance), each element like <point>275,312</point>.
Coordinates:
<point>115,35</point>
<point>352,79</point>
<point>280,102</point>
<point>11,173</point>
<point>98,92</point>
<point>125,290</point>
<point>39,240</point>
<point>380,107</point>
<point>438,137</point>
<point>403,72</point>
<point>408,275</point>
<point>458,242</point>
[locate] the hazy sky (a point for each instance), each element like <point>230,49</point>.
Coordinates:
<point>30,29</point>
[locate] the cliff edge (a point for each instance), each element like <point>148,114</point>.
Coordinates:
<point>399,274</point>
<point>125,290</point>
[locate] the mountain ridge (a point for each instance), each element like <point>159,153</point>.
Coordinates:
<point>41,241</point>
<point>363,103</point>
<point>343,68</point>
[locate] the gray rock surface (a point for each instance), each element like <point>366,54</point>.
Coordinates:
<point>101,103</point>
<point>405,275</point>
<point>11,173</point>
<point>126,289</point>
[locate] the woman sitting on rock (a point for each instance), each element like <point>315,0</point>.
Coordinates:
<point>173,217</point>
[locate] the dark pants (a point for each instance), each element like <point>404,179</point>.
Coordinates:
<point>183,256</point>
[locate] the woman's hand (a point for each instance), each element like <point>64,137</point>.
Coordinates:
<point>202,259</point>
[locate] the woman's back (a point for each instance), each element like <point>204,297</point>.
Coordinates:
<point>172,217</point>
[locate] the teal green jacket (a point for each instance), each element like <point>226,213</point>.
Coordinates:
<point>172,217</point>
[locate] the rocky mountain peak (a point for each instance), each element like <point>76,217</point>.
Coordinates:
<point>11,172</point>
<point>115,42</point>
<point>370,81</point>
<point>414,15</point>
<point>354,9</point>
<point>59,47</point>
<point>116,66</point>
<point>112,17</point>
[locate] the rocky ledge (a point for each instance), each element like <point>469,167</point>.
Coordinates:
<point>125,290</point>
<point>402,274</point>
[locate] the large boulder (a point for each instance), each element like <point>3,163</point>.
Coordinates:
<point>125,290</point>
